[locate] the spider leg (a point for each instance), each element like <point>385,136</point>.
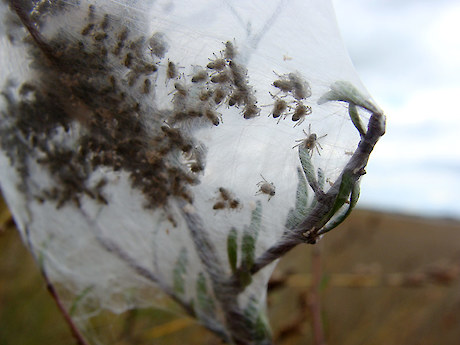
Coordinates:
<point>316,146</point>
<point>300,121</point>
<point>300,143</point>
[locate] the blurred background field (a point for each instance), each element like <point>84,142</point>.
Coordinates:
<point>385,279</point>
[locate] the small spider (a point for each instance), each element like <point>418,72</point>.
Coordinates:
<point>234,203</point>
<point>180,90</point>
<point>146,86</point>
<point>218,64</point>
<point>279,107</point>
<point>266,187</point>
<point>196,167</point>
<point>105,22</point>
<point>239,74</point>
<point>219,95</point>
<point>300,112</point>
<point>226,200</point>
<point>230,50</point>
<point>250,111</point>
<point>300,87</point>
<point>200,76</point>
<point>87,29</point>
<point>293,83</point>
<point>221,77</point>
<point>123,35</point>
<point>172,71</point>
<point>213,116</point>
<point>158,45</point>
<point>205,95</point>
<point>237,98</point>
<point>219,205</point>
<point>284,85</point>
<point>311,142</point>
<point>225,193</point>
<point>128,61</point>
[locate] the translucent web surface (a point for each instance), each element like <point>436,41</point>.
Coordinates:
<point>159,150</point>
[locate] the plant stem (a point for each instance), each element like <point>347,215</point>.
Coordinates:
<point>225,292</point>
<point>73,328</point>
<point>307,231</point>
<point>31,28</point>
<point>53,292</point>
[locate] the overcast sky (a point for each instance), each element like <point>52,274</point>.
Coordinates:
<point>408,55</point>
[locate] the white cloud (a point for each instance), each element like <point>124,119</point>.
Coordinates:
<point>443,41</point>
<point>408,55</point>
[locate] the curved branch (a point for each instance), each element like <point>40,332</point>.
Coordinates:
<point>308,229</point>
<point>31,28</point>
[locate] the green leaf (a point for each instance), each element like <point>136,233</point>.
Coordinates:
<point>205,302</point>
<point>179,271</point>
<point>232,249</point>
<point>257,322</point>
<point>248,245</point>
<point>321,178</point>
<point>354,116</point>
<point>307,166</point>
<point>296,215</point>
<point>256,219</point>
<point>291,219</point>
<point>355,195</point>
<point>250,234</point>
<point>346,92</point>
<point>339,218</point>
<point>346,186</point>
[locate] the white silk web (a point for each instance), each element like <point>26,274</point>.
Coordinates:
<point>159,150</point>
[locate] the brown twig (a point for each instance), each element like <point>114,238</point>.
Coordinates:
<point>307,231</point>
<point>314,299</point>
<point>53,292</point>
<point>32,29</point>
<point>68,319</point>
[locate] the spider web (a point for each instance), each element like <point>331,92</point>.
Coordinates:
<point>109,237</point>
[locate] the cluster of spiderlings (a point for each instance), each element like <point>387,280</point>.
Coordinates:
<point>222,81</point>
<point>294,89</point>
<point>225,200</point>
<point>93,86</point>
<point>112,76</point>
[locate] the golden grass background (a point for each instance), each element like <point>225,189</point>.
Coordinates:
<point>385,279</point>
